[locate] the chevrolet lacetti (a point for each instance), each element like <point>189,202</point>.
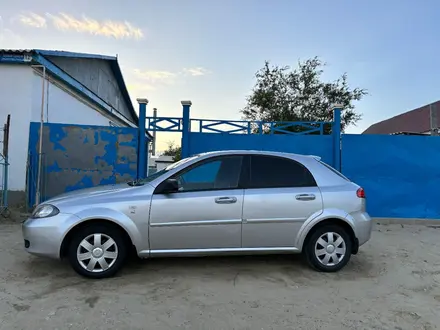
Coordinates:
<point>216,203</point>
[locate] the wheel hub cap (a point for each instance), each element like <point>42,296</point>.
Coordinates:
<point>97,253</point>
<point>330,249</point>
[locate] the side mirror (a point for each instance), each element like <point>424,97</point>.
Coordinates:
<point>169,186</point>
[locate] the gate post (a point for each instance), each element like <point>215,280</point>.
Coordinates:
<point>336,132</point>
<point>141,148</point>
<point>186,128</point>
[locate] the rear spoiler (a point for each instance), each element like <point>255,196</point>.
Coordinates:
<point>315,157</point>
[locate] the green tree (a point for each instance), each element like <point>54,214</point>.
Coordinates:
<point>174,151</point>
<point>282,94</point>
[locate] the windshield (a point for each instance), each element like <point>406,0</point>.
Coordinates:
<point>166,169</point>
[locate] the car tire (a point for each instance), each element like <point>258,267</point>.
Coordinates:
<point>328,249</point>
<point>97,251</point>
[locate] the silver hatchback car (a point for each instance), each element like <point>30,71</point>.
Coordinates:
<point>216,203</point>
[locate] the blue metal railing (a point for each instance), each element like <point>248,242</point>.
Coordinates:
<point>164,124</point>
<point>259,127</point>
<point>185,125</point>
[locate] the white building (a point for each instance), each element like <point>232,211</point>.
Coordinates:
<point>158,163</point>
<point>60,87</point>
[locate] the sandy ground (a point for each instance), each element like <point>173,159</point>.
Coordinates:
<point>393,283</point>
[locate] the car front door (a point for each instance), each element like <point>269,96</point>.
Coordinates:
<point>281,195</point>
<point>205,213</point>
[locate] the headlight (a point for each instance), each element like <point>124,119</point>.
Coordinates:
<point>45,211</point>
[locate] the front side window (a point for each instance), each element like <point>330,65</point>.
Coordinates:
<point>216,174</point>
<point>278,172</point>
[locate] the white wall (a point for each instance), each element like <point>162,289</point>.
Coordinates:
<point>15,99</point>
<point>20,96</point>
<point>160,162</point>
<point>63,106</point>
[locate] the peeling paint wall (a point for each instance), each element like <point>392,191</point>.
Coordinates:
<point>77,156</point>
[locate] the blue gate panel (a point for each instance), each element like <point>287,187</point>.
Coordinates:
<point>400,174</point>
<point>79,156</point>
<point>319,145</point>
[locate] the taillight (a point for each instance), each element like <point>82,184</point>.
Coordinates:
<point>360,193</point>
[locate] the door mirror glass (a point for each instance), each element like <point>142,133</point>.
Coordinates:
<point>169,186</point>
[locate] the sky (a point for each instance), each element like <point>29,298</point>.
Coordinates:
<point>208,51</point>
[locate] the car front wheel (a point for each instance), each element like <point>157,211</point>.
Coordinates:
<point>97,251</point>
<point>328,249</point>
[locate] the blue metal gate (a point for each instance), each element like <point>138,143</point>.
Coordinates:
<point>202,135</point>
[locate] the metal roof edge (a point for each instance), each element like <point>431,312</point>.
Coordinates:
<point>123,88</point>
<point>62,53</point>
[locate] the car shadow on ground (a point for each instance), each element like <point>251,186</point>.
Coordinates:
<point>216,268</point>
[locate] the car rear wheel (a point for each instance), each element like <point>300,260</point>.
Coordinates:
<point>97,251</point>
<point>328,249</point>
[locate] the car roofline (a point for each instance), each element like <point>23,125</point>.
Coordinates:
<point>256,152</point>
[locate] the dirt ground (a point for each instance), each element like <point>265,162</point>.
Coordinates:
<point>393,283</point>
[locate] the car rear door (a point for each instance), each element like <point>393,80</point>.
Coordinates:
<point>206,213</point>
<point>280,195</point>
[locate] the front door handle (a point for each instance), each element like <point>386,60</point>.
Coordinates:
<point>226,200</point>
<point>305,197</point>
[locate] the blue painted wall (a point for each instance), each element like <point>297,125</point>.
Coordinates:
<point>401,174</point>
<point>319,145</point>
<point>78,156</point>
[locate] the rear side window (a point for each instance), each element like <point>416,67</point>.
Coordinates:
<point>334,170</point>
<point>278,172</point>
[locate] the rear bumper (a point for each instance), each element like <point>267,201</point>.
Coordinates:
<point>363,226</point>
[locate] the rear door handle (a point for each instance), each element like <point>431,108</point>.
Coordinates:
<point>305,197</point>
<point>226,200</point>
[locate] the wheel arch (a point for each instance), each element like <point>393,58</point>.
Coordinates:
<point>71,233</point>
<point>103,216</point>
<point>332,217</point>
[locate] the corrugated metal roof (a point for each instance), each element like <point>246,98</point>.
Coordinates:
<point>16,51</point>
<point>63,53</point>
<point>416,121</point>
<point>113,64</point>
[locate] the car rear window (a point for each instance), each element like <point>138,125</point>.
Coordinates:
<point>334,170</point>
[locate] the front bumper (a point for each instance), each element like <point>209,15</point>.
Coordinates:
<point>43,237</point>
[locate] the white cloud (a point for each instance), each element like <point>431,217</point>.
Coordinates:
<point>83,24</point>
<point>33,20</point>
<point>168,77</point>
<point>155,76</point>
<point>198,71</point>
<point>137,88</point>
